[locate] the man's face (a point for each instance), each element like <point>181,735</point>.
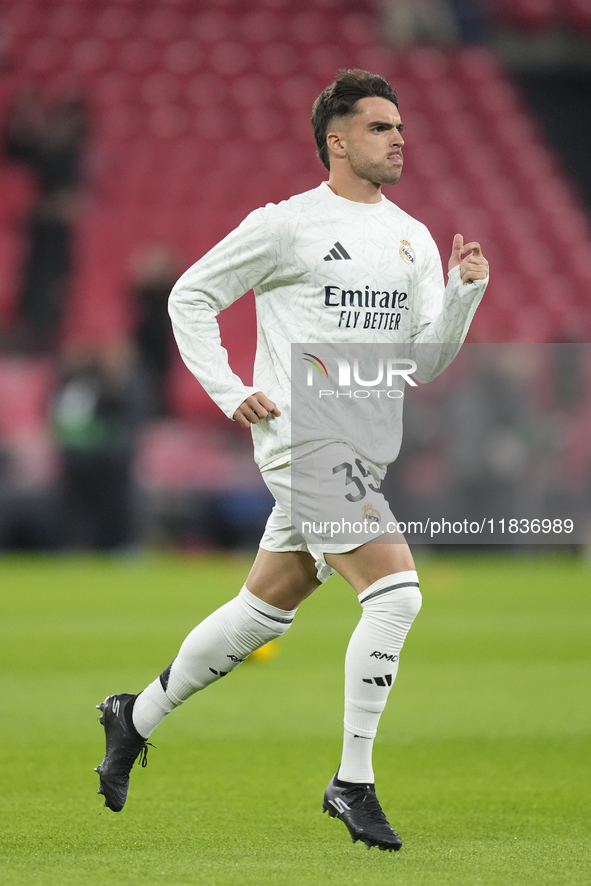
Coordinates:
<point>372,140</point>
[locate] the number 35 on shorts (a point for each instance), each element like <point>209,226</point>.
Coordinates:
<point>358,483</point>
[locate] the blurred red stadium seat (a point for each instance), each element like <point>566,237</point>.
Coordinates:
<point>113,88</point>
<point>18,189</point>
<point>298,91</point>
<point>25,385</point>
<point>323,61</point>
<point>47,55</point>
<point>182,57</point>
<point>277,60</point>
<point>214,26</point>
<point>163,25</point>
<point>206,89</point>
<point>578,14</point>
<point>116,22</point>
<point>229,58</point>
<point>168,121</point>
<point>259,26</point>
<point>427,65</point>
<point>252,90</point>
<point>91,55</point>
<point>476,64</point>
<point>70,21</point>
<point>160,88</point>
<point>372,57</point>
<point>357,29</point>
<point>11,257</point>
<point>529,14</point>
<point>137,56</point>
<point>175,455</point>
<point>310,28</point>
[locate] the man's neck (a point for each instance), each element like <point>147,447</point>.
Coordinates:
<point>356,189</point>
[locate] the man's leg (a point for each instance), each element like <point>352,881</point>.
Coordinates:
<point>263,610</point>
<point>384,577</point>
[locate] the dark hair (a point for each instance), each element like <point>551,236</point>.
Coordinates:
<point>340,100</point>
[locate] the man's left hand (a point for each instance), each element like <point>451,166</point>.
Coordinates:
<point>473,266</point>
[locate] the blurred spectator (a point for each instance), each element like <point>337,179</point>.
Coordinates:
<point>478,443</point>
<point>471,18</point>
<point>440,22</point>
<point>49,139</point>
<point>154,275</point>
<point>4,498</point>
<point>494,437</point>
<point>408,22</point>
<point>51,142</point>
<point>47,270</point>
<point>568,375</point>
<point>95,415</point>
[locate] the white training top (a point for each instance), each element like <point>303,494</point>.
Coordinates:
<point>323,269</point>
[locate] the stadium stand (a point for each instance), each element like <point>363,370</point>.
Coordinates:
<point>201,116</point>
<point>201,113</point>
<point>540,15</point>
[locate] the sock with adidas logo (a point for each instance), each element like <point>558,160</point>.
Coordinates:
<point>213,649</point>
<point>390,606</point>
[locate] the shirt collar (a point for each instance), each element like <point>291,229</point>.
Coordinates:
<point>352,205</point>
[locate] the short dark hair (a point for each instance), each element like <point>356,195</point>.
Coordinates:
<point>340,100</point>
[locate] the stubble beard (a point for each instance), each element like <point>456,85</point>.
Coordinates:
<point>377,173</point>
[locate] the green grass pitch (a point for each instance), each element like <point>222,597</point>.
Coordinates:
<point>482,760</point>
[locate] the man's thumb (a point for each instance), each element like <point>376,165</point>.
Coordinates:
<point>456,252</point>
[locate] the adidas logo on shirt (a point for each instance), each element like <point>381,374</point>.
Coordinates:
<point>338,253</point>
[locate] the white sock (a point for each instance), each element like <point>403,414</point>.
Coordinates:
<point>213,649</point>
<point>390,606</point>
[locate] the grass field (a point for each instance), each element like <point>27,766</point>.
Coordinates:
<point>482,760</point>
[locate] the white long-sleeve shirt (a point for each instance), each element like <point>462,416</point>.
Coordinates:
<point>323,269</point>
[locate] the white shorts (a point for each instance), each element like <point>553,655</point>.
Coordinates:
<point>327,502</point>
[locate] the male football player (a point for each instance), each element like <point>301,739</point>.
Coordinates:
<point>320,264</point>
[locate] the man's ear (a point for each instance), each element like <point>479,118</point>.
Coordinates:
<point>336,142</point>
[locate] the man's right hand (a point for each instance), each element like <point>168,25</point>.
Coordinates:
<point>254,408</point>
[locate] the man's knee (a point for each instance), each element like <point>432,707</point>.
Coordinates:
<point>406,602</point>
<point>403,605</point>
<point>394,599</point>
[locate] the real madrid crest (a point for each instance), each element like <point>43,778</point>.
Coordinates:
<point>370,514</point>
<point>406,252</point>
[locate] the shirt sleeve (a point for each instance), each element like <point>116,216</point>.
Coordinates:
<point>443,317</point>
<point>242,260</point>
